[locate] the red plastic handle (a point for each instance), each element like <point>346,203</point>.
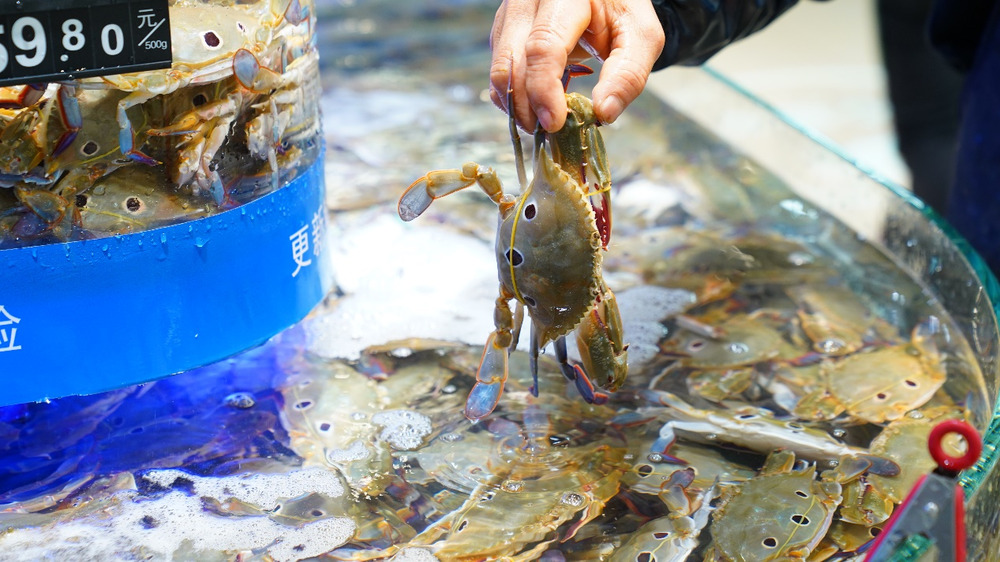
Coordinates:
<point>946,461</point>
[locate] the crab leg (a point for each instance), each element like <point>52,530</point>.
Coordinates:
<point>69,112</point>
<point>438,183</point>
<point>577,375</point>
<point>126,134</point>
<point>492,373</point>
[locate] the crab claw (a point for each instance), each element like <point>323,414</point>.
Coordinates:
<point>490,378</point>
<point>599,339</point>
<point>252,75</point>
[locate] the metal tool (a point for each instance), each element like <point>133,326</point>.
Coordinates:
<point>935,507</point>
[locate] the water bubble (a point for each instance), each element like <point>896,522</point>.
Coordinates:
<point>800,258</point>
<point>739,347</point>
<point>572,498</point>
<point>535,449</point>
<point>655,457</point>
<point>449,389</point>
<point>831,345</point>
<point>401,352</point>
<point>512,486</point>
<point>359,416</point>
<point>240,400</point>
<point>452,437</point>
<point>839,433</point>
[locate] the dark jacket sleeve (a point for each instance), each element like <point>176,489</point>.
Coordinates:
<point>697,29</point>
<point>957,26</point>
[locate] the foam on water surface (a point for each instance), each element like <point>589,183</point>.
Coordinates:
<point>262,490</point>
<point>642,309</point>
<point>454,275</point>
<point>176,525</point>
<point>403,429</point>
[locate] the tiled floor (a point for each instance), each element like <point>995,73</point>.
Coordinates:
<point>820,65</point>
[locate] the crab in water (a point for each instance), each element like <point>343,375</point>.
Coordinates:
<point>548,249</point>
<point>879,385</point>
<point>783,514</point>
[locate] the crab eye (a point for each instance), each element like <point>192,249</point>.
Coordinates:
<point>199,99</point>
<point>529,211</point>
<point>528,300</point>
<point>81,200</point>
<point>211,40</point>
<point>514,257</point>
<point>695,345</point>
<point>133,204</point>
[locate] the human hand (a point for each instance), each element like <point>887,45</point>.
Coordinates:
<point>543,36</point>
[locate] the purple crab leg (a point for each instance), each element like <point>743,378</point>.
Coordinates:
<point>69,112</point>
<point>574,70</point>
<point>126,142</point>
<point>663,444</point>
<point>576,374</point>
<point>533,361</point>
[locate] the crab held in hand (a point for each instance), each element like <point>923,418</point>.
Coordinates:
<point>548,248</point>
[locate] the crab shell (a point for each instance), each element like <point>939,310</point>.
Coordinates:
<point>546,246</point>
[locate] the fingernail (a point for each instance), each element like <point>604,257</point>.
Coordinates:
<point>544,118</point>
<point>610,109</point>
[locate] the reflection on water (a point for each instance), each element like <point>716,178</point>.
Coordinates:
<point>756,322</point>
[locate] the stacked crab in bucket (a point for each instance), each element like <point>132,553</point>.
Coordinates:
<point>229,121</point>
